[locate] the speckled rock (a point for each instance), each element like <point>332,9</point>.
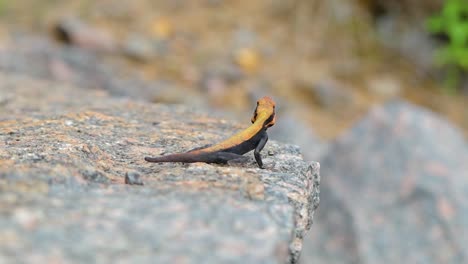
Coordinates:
<point>395,192</point>
<point>64,155</point>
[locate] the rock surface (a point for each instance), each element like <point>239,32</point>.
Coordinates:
<point>64,155</point>
<point>395,192</point>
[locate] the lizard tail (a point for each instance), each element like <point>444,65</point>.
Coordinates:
<point>182,157</point>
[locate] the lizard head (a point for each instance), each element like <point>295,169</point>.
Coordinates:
<point>265,111</point>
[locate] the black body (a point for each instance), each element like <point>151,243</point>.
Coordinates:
<point>256,143</point>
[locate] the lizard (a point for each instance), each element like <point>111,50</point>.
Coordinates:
<point>252,138</point>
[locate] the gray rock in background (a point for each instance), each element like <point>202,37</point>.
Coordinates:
<point>295,131</point>
<point>64,154</point>
<point>74,31</point>
<point>41,58</point>
<point>395,191</point>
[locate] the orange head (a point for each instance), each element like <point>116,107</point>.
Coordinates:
<point>265,112</point>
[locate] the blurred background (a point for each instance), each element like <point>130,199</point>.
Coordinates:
<point>376,90</point>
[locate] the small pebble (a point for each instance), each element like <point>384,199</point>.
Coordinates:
<point>133,178</point>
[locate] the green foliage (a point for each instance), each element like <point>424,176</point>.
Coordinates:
<point>452,22</point>
<point>2,7</point>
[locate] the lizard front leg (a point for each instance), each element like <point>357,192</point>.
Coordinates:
<point>258,148</point>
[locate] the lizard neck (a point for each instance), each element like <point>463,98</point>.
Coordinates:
<point>238,138</point>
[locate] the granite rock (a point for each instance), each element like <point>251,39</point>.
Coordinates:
<point>64,155</point>
<point>395,192</point>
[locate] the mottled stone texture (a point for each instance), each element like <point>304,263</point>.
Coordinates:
<point>64,155</point>
<point>395,191</point>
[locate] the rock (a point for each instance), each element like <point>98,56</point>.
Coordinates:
<point>312,147</point>
<point>40,58</point>
<point>83,142</point>
<point>73,31</point>
<point>329,94</point>
<point>224,70</point>
<point>218,76</point>
<point>133,178</point>
<point>248,59</point>
<point>395,192</point>
<point>139,49</point>
<point>143,49</point>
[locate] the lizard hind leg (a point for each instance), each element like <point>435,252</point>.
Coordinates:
<point>224,157</point>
